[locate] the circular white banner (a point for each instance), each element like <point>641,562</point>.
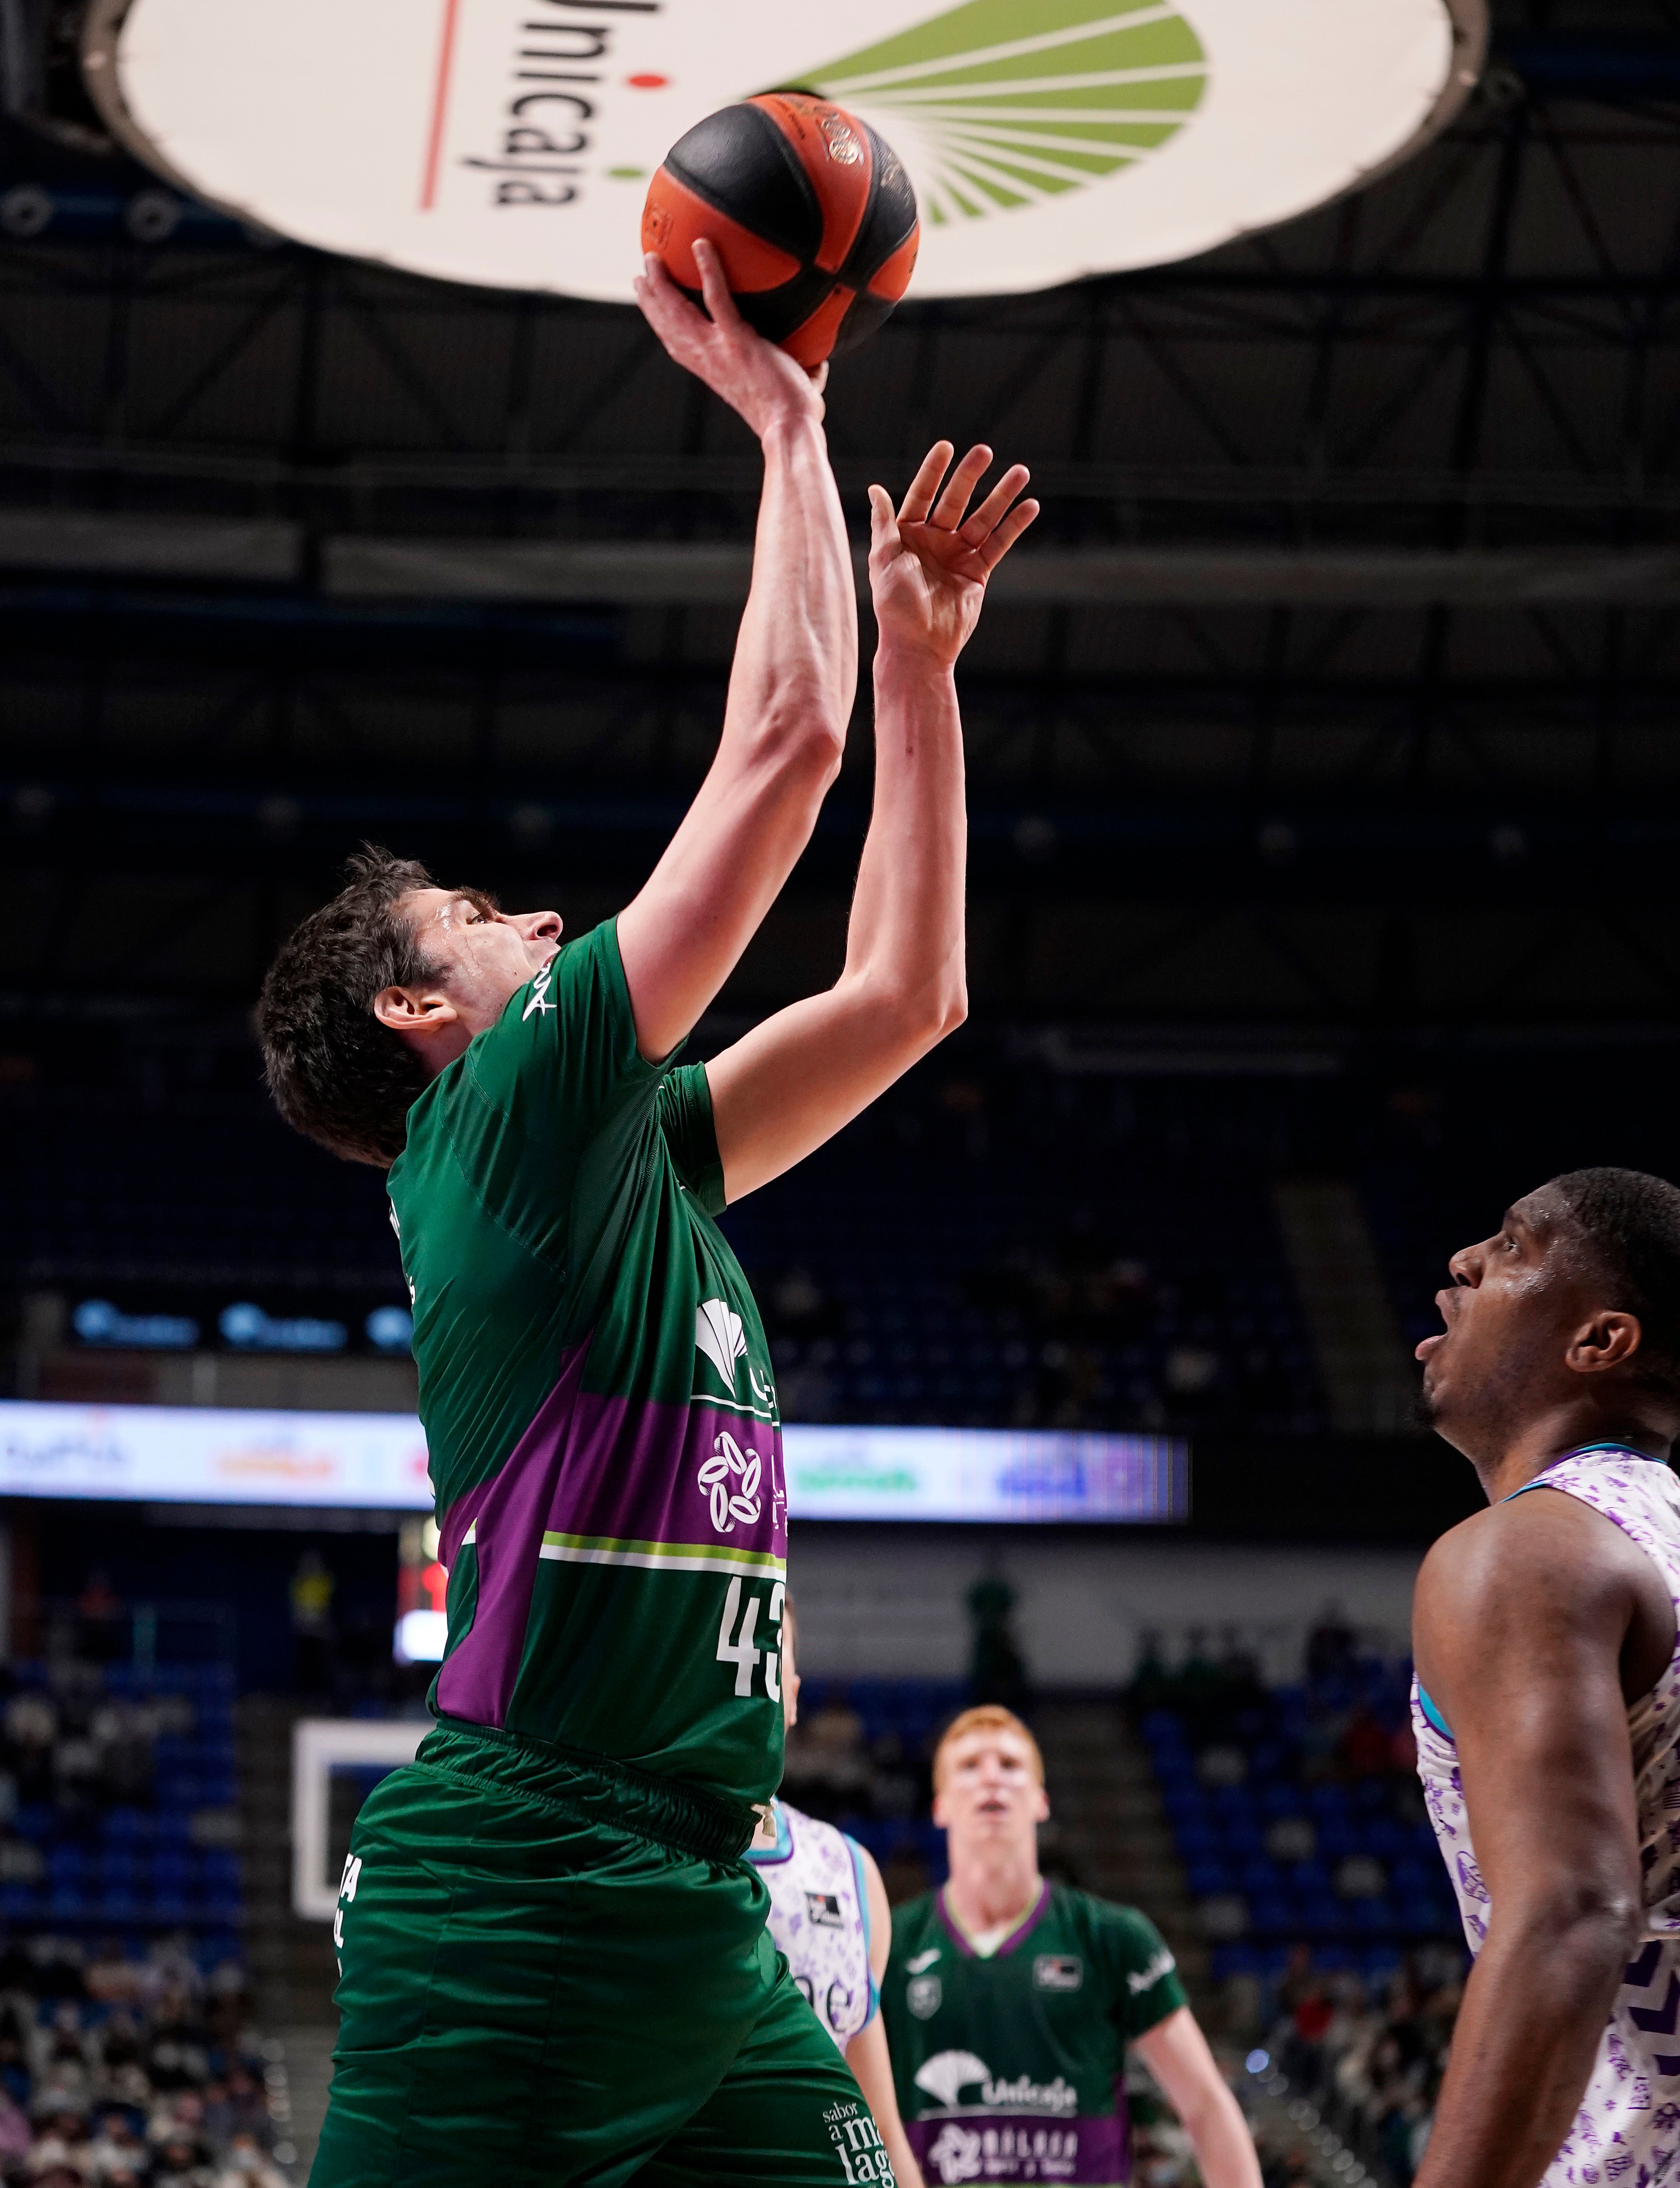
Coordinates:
<point>511,141</point>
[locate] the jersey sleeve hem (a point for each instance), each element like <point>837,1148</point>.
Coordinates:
<point>657,1068</point>
<point>1172,1999</point>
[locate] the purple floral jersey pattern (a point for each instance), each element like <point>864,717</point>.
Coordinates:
<point>820,1918</point>
<point>1627,2129</point>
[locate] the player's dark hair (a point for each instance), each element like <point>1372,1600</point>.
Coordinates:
<point>335,1072</point>
<point>1632,1222</point>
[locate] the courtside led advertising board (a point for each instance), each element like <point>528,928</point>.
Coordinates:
<point>377,1461</point>
<point>511,141</point>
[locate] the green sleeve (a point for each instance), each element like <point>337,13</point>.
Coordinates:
<point>1145,1987</point>
<point>684,1109</point>
<point>551,1121</point>
<point>563,1053</point>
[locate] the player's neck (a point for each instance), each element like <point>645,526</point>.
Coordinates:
<point>984,1893</point>
<point>1530,1450</point>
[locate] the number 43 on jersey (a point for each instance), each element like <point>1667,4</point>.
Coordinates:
<point>737,1644</point>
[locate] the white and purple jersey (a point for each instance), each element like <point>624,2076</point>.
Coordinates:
<point>1627,2130</point>
<point>820,1917</point>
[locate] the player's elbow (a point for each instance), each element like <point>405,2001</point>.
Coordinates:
<point>802,736</point>
<point>954,1011</point>
<point>922,1012</point>
<point>1589,1925</point>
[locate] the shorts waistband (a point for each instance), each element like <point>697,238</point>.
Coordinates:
<point>595,1788</point>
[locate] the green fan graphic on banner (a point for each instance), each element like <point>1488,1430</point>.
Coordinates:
<point>1016,101</point>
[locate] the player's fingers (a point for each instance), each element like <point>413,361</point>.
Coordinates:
<point>713,285</point>
<point>995,549</point>
<point>663,305</point>
<point>884,530</point>
<point>962,482</point>
<point>820,377</point>
<point>987,517</point>
<point>919,497</point>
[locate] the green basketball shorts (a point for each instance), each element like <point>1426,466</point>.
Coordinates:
<point>556,1972</point>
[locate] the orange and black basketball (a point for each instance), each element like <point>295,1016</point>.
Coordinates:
<point>812,214</point>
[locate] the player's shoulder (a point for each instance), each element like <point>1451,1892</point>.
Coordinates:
<point>1134,1971</point>
<point>589,958</point>
<point>1537,1555</point>
<point>569,1030</point>
<point>810,1832</point>
<point>1123,1937</point>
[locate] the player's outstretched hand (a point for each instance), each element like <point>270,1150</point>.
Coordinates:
<point>929,562</point>
<point>751,376</point>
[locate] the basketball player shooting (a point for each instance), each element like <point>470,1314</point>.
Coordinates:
<point>1547,1699</point>
<point>554,1964</point>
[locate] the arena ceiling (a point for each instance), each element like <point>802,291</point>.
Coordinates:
<point>1340,691</point>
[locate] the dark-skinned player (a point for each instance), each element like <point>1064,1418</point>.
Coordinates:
<point>1547,1702</point>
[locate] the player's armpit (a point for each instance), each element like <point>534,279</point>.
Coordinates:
<point>797,1078</point>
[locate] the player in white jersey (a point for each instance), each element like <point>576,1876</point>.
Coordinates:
<point>829,1917</point>
<point>1547,1699</point>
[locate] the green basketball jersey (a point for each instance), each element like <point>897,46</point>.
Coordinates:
<point>1010,2068</point>
<point>601,1422</point>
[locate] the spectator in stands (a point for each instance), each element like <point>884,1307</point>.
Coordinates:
<point>998,1674</point>
<point>14,2135</point>
<point>59,2149</point>
<point>240,2110</point>
<point>91,2090</point>
<point>1374,2065</point>
<point>1366,1748</point>
<point>13,2053</point>
<point>245,2166</point>
<point>98,1620</point>
<point>826,1767</point>
<point>1331,1645</point>
<point>118,2148</point>
<point>312,1585</point>
<point>32,1728</point>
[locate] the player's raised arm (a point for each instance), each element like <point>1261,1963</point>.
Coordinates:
<point>793,1082</point>
<point>790,690</point>
<point>1522,1617</point>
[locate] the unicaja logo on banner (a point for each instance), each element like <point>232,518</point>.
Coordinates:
<point>512,142</point>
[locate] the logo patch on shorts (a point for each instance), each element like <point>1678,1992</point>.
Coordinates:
<point>858,2145</point>
<point>1057,1972</point>
<point>824,1910</point>
<point>922,1995</point>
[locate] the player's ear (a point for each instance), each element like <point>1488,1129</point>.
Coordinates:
<point>1041,1807</point>
<point>416,1013</point>
<point>1607,1341</point>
